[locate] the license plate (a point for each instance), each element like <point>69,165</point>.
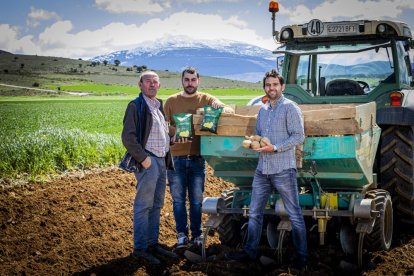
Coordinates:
<point>342,28</point>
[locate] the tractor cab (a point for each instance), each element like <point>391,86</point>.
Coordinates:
<point>347,61</point>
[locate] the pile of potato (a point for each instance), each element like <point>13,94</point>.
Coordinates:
<point>255,142</point>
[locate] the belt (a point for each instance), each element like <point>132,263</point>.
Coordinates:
<point>151,154</point>
<point>188,157</point>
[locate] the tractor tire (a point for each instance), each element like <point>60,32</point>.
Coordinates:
<point>227,195</point>
<point>396,172</point>
<point>381,236</point>
<point>229,230</point>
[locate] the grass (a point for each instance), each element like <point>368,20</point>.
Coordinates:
<point>42,135</point>
<point>94,115</point>
<point>51,150</point>
<point>114,89</point>
<point>48,135</point>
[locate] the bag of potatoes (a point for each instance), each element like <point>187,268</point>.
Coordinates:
<point>210,119</point>
<point>183,126</point>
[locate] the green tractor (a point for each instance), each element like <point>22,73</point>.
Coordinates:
<point>360,182</point>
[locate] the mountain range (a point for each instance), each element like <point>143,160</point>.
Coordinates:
<point>221,58</point>
<point>224,59</point>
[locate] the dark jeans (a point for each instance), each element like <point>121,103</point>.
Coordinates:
<point>286,185</point>
<point>149,200</point>
<point>189,176</point>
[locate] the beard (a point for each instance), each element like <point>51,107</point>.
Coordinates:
<point>190,89</point>
<point>273,95</point>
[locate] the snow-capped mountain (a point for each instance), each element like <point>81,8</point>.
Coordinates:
<point>223,58</point>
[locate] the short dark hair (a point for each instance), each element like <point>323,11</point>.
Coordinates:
<point>190,70</point>
<point>273,74</point>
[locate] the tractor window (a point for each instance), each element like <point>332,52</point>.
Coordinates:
<point>342,73</point>
<point>303,73</point>
<point>404,61</point>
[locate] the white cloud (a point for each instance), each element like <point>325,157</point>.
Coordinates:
<point>133,6</point>
<point>36,15</point>
<point>60,40</point>
<point>147,6</point>
<point>204,26</point>
<point>351,10</point>
<point>10,42</point>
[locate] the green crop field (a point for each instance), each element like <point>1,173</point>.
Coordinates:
<point>43,135</point>
<point>114,89</point>
<point>48,135</point>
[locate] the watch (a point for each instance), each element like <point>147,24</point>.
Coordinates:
<point>274,148</point>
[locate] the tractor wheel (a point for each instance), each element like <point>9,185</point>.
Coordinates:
<point>381,236</point>
<point>230,231</point>
<point>397,170</point>
<point>227,195</point>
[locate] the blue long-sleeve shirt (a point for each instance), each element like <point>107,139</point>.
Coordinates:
<point>283,125</point>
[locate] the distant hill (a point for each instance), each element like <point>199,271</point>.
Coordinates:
<point>224,59</point>
<point>4,52</point>
<point>25,70</point>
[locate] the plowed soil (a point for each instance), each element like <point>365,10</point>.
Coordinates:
<point>81,224</point>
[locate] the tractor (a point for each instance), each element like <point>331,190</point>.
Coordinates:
<point>353,81</point>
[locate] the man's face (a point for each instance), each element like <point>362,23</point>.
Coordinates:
<point>190,83</point>
<point>273,88</point>
<point>149,85</point>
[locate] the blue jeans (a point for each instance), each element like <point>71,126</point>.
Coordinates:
<point>189,176</point>
<point>286,185</point>
<point>149,199</point>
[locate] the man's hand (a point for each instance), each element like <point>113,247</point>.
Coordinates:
<point>146,163</point>
<point>226,109</point>
<point>183,140</point>
<point>268,148</point>
<point>217,104</point>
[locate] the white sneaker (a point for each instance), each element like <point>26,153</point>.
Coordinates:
<point>182,240</point>
<point>198,240</point>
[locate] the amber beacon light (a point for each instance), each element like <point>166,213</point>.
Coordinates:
<point>273,6</point>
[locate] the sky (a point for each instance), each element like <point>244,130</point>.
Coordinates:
<point>88,28</point>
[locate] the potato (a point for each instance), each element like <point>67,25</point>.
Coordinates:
<point>257,138</point>
<point>265,142</point>
<point>255,145</point>
<point>247,143</point>
<point>249,138</point>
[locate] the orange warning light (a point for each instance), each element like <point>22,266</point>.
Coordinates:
<point>273,6</point>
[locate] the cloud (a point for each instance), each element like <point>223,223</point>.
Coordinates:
<point>10,42</point>
<point>60,40</point>
<point>133,6</point>
<point>36,15</point>
<point>204,26</point>
<point>350,10</point>
<point>147,6</point>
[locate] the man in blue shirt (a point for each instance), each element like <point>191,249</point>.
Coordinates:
<point>280,120</point>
